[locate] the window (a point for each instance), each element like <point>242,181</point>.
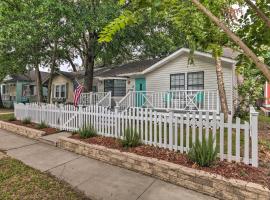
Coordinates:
<point>60,91</point>
<point>63,91</point>
<point>32,90</point>
<point>117,87</point>
<point>195,81</point>
<point>4,89</point>
<point>57,90</point>
<point>177,81</point>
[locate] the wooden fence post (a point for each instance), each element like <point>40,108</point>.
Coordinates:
<point>254,136</point>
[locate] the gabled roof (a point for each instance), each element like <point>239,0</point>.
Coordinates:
<point>181,51</point>
<point>145,66</point>
<point>115,71</point>
<point>132,67</point>
<point>28,76</point>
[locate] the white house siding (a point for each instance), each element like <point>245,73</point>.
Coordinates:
<point>159,79</point>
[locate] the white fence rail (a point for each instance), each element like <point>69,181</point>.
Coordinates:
<point>95,98</point>
<point>235,141</point>
<point>181,100</point>
<point>106,101</point>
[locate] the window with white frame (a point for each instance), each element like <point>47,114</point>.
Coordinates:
<point>177,81</point>
<point>195,80</point>
<point>60,91</point>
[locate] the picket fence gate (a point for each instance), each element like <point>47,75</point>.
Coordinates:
<point>235,141</point>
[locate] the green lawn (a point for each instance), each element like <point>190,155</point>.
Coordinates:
<point>18,181</point>
<point>6,117</point>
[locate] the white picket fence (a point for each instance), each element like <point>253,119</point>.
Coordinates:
<point>235,141</point>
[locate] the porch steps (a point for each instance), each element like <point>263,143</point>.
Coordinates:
<point>53,138</point>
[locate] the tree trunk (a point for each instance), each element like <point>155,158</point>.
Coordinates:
<point>39,84</point>
<point>259,12</point>
<point>247,51</point>
<point>53,66</point>
<point>89,73</point>
<point>89,64</point>
<point>221,88</point>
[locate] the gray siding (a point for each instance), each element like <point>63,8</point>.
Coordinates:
<point>159,79</point>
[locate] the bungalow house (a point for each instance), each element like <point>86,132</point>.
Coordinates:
<point>165,83</point>
<point>20,88</point>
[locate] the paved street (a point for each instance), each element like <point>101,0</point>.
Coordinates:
<point>97,179</point>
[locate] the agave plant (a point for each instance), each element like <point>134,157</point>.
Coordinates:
<point>131,138</point>
<point>203,152</point>
<point>87,131</point>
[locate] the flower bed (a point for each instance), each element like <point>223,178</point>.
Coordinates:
<point>228,170</point>
<point>179,170</point>
<point>29,130</point>
<point>47,130</point>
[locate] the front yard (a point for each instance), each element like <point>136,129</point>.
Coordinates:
<point>6,117</point>
<point>18,181</point>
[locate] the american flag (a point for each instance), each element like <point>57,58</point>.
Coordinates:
<point>77,92</point>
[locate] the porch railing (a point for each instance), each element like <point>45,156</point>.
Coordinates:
<point>182,100</point>
<point>6,97</point>
<point>92,98</point>
<point>106,101</point>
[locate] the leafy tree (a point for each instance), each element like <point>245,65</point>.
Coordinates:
<point>256,34</point>
<point>130,17</point>
<point>195,28</point>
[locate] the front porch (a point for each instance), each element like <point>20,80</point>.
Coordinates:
<point>177,100</point>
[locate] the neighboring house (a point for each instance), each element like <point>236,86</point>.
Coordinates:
<point>105,79</point>
<point>267,95</point>
<point>160,83</point>
<point>21,88</point>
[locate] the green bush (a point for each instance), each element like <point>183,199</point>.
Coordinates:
<point>12,118</point>
<point>42,125</point>
<point>26,120</point>
<point>131,138</point>
<point>87,132</point>
<point>203,153</point>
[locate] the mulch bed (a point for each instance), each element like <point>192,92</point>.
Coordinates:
<point>229,170</point>
<point>48,130</point>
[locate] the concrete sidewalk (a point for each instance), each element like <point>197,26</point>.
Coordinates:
<point>97,179</point>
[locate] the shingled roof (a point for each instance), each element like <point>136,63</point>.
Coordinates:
<point>135,66</point>
<point>28,76</point>
<point>117,70</point>
<point>132,67</point>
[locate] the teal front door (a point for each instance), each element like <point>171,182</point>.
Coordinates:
<point>140,86</point>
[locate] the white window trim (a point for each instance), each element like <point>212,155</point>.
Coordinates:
<point>60,91</point>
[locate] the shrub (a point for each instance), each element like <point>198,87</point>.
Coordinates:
<point>42,125</point>
<point>26,120</point>
<point>203,153</point>
<point>131,138</point>
<point>12,118</point>
<point>87,132</point>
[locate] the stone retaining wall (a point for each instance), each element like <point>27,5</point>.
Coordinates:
<point>200,181</point>
<point>22,130</point>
